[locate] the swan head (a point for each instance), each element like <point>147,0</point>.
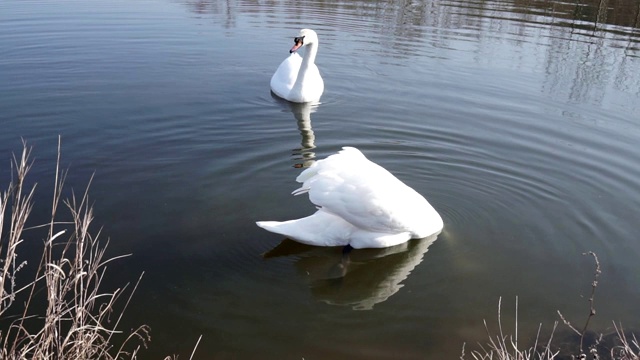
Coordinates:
<point>305,37</point>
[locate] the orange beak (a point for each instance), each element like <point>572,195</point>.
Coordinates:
<point>298,43</point>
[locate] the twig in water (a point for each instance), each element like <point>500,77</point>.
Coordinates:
<point>592,308</point>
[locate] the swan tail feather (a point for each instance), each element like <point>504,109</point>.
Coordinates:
<point>300,191</point>
<point>319,229</point>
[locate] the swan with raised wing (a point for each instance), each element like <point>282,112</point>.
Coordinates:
<point>360,205</point>
<point>298,79</point>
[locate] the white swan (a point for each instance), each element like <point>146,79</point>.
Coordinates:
<point>359,204</point>
<point>298,79</point>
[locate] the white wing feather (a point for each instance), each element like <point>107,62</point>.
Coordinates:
<point>285,76</point>
<point>374,208</point>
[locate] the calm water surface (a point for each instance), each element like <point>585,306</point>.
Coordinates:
<point>518,120</point>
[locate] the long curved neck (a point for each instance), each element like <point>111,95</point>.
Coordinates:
<point>309,55</point>
<point>308,60</point>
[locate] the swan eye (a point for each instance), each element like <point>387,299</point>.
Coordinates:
<point>299,39</point>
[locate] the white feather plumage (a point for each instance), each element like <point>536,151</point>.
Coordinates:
<point>298,79</point>
<point>359,204</point>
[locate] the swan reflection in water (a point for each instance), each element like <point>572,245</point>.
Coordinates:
<point>304,156</point>
<point>360,278</point>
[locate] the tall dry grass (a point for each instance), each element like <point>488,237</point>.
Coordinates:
<point>62,312</point>
<point>622,345</point>
<point>506,347</point>
<point>628,348</point>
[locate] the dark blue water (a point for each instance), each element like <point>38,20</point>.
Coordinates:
<point>517,120</point>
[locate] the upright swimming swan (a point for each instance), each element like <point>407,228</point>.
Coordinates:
<point>360,204</point>
<point>298,79</point>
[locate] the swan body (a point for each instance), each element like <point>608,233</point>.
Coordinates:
<point>298,79</point>
<point>360,204</point>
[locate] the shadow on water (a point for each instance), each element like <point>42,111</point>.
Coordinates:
<point>360,278</point>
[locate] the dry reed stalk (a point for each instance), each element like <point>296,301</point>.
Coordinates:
<point>500,349</point>
<point>503,347</point>
<point>628,350</point>
<point>21,206</point>
<point>77,321</point>
<point>175,357</point>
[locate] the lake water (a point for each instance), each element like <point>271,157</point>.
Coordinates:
<point>517,119</point>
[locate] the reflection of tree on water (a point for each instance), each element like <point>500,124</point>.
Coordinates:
<point>409,20</point>
<point>405,28</point>
<point>360,278</point>
<point>303,156</point>
<point>583,58</point>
